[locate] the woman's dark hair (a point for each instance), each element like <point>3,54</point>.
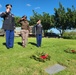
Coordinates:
<point>24,16</point>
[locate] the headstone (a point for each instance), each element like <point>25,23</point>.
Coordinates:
<point>54,69</point>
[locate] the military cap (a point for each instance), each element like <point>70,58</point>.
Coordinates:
<point>8,6</point>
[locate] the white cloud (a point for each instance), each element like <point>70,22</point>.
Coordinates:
<point>37,7</point>
<point>0,6</point>
<point>28,5</point>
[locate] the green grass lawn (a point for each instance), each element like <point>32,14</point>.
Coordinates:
<point>17,61</point>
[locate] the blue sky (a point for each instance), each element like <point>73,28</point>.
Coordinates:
<point>25,7</point>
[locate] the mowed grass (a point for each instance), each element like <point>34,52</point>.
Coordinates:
<point>17,61</point>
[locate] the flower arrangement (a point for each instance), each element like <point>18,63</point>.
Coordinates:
<point>69,50</point>
<point>42,57</point>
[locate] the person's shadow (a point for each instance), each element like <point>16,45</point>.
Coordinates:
<point>19,43</point>
<point>4,44</point>
<point>32,43</point>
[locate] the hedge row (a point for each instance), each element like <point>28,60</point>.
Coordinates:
<point>69,35</point>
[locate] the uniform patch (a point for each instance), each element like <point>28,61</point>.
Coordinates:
<point>12,15</point>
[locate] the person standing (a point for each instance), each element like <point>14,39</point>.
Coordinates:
<point>38,32</point>
<point>24,30</point>
<point>8,26</point>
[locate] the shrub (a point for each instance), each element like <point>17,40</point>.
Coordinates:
<point>69,35</point>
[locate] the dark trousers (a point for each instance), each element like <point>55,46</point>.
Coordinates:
<point>39,39</point>
<point>9,38</point>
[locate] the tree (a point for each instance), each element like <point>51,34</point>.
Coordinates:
<point>71,17</point>
<point>16,21</point>
<point>64,19</point>
<point>35,18</point>
<point>60,19</point>
<point>45,19</point>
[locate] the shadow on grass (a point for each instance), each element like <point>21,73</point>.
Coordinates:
<point>4,44</point>
<point>19,43</point>
<point>33,43</point>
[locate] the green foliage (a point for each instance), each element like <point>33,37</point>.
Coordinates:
<point>64,19</point>
<point>70,18</point>
<point>35,18</point>
<point>60,18</point>
<point>44,17</point>
<point>69,35</point>
<point>16,21</point>
<point>46,21</point>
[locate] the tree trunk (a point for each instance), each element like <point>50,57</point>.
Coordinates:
<point>45,33</point>
<point>61,33</point>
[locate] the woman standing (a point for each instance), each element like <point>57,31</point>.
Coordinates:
<point>24,30</point>
<point>38,32</point>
